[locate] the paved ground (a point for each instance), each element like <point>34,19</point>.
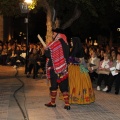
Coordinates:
<point>35,94</point>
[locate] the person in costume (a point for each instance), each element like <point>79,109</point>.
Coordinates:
<point>57,53</point>
<point>80,86</point>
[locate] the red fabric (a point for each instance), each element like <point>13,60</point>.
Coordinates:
<point>57,55</point>
<point>65,76</point>
<point>66,98</point>
<point>58,60</point>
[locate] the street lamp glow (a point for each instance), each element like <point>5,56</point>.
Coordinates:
<point>28,1</point>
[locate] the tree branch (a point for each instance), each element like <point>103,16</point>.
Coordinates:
<point>75,16</point>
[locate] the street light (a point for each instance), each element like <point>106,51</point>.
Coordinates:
<point>25,9</point>
<point>28,1</point>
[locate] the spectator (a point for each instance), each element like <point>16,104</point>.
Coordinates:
<point>115,77</point>
<point>103,72</point>
<point>4,54</point>
<point>93,64</point>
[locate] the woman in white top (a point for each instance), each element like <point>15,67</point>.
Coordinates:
<point>115,77</point>
<point>103,72</point>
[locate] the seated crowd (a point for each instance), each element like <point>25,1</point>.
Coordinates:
<point>15,55</point>
<point>103,63</point>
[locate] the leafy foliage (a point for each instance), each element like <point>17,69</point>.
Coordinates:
<point>117,5</point>
<point>95,14</point>
<point>32,6</point>
<point>103,21</point>
<point>9,7</point>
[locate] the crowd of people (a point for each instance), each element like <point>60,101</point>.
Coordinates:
<point>104,65</point>
<point>14,54</point>
<point>71,67</point>
<point>10,54</point>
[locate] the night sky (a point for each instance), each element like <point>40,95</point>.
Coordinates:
<point>37,25</point>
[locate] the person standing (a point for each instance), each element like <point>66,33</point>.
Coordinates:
<point>57,53</point>
<point>81,91</point>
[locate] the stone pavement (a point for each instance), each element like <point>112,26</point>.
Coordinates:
<point>35,94</point>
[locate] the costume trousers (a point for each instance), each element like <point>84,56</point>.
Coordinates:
<point>54,85</point>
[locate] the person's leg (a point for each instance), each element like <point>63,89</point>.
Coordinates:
<point>8,62</point>
<point>106,78</point>
<point>93,76</point>
<point>64,89</point>
<point>117,84</point>
<point>110,82</point>
<point>14,61</point>
<point>29,69</point>
<point>100,78</point>
<point>0,60</point>
<point>22,60</point>
<point>4,58</point>
<point>35,71</point>
<point>53,89</point>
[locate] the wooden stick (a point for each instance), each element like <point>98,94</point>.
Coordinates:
<point>41,40</point>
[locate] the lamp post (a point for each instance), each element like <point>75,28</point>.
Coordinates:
<point>24,9</point>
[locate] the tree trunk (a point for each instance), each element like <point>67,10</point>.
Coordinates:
<point>48,22</point>
<point>8,28</point>
<point>1,27</point>
<point>49,27</point>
